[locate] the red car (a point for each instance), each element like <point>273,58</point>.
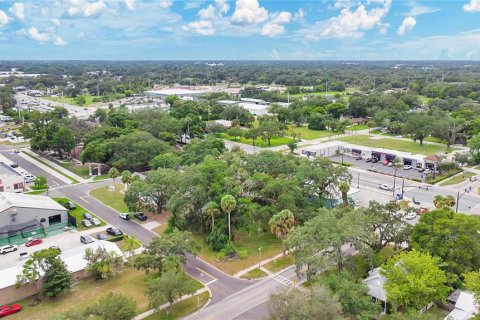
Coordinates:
<point>422,210</point>
<point>33,242</point>
<point>8,310</point>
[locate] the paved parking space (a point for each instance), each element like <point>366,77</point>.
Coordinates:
<point>379,167</point>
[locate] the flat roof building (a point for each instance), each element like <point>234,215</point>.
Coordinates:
<point>182,93</point>
<point>10,180</point>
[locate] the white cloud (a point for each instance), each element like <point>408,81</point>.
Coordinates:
<point>38,36</point>
<point>81,35</point>
<point>201,27</point>
<point>419,9</point>
<point>249,12</point>
<point>275,27</point>
<point>165,4</point>
<point>59,41</point>
<point>282,17</point>
<point>85,9</point>
<point>352,24</point>
<point>18,10</point>
<point>3,18</point>
<point>299,15</point>
<point>473,6</point>
<point>208,12</point>
<point>130,4</point>
<point>193,4</point>
<point>275,55</point>
<point>407,25</point>
<point>55,22</point>
<point>222,6</point>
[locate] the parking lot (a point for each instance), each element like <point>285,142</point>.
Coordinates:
<point>379,167</point>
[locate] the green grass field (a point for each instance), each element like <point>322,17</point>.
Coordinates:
<point>80,170</point>
<point>182,308</point>
<point>112,199</point>
<point>434,139</point>
<point>277,141</point>
<point>270,245</point>
<point>309,134</point>
<point>254,274</point>
<point>72,101</point>
<point>279,264</point>
<point>357,127</point>
<point>458,179</point>
<point>78,214</point>
<point>393,144</point>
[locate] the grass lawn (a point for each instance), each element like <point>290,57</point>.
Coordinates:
<point>309,134</point>
<point>357,127</point>
<point>276,141</point>
<point>72,101</point>
<point>270,245</point>
<point>424,99</point>
<point>129,282</point>
<point>393,144</point>
<point>458,179</point>
<point>101,177</point>
<point>434,139</point>
<point>54,169</point>
<point>80,170</point>
<point>279,264</point>
<point>78,214</point>
<point>112,199</point>
<point>36,192</point>
<point>182,308</point>
<point>254,274</point>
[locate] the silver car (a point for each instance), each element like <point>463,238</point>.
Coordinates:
<point>95,221</point>
<point>86,223</point>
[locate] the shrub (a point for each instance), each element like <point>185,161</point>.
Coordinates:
<point>242,253</point>
<point>217,239</point>
<point>63,202</point>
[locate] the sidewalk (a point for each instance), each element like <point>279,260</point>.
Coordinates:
<point>62,174</point>
<point>166,305</point>
<point>255,266</point>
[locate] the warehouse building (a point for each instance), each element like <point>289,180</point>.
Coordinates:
<point>10,180</point>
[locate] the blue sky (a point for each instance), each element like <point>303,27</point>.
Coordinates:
<point>240,29</point>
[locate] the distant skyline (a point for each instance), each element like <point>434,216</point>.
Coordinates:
<point>240,30</point>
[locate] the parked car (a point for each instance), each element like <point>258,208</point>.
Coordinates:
<point>427,171</point>
<point>33,242</point>
<point>386,162</point>
<point>420,169</point>
<point>390,164</point>
<point>23,255</point>
<point>101,236</point>
<point>87,216</point>
<point>358,158</point>
<point>124,215</point>
<point>411,215</point>
<point>71,205</point>
<point>384,186</point>
<point>375,160</point>
<point>422,210</point>
<point>86,239</point>
<point>407,167</point>
<point>10,309</point>
<point>140,216</point>
<point>86,223</point>
<point>368,160</point>
<point>8,248</point>
<point>114,231</point>
<point>474,178</point>
<point>95,221</point>
<point>14,165</point>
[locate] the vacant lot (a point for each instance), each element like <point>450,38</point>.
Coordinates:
<point>277,141</point>
<point>393,144</point>
<point>110,198</point>
<point>73,101</point>
<point>309,134</point>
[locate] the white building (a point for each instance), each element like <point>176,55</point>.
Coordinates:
<point>10,180</point>
<point>465,306</point>
<point>182,93</point>
<point>254,101</point>
<point>255,109</point>
<point>375,284</point>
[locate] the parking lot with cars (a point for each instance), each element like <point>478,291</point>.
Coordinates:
<point>402,171</point>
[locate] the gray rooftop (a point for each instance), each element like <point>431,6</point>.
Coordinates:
<point>6,169</point>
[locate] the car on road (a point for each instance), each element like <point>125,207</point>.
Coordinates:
<point>8,248</point>
<point>114,231</point>
<point>384,186</point>
<point>375,160</point>
<point>407,167</point>
<point>71,205</point>
<point>33,242</point>
<point>87,216</point>
<point>422,210</point>
<point>102,236</point>
<point>86,223</point>
<point>14,165</point>
<point>411,216</point>
<point>368,160</point>
<point>386,162</point>
<point>86,239</point>
<point>95,221</point>
<point>140,216</point>
<point>9,309</point>
<point>124,215</point>
<point>23,255</point>
<point>16,151</point>
<point>358,158</point>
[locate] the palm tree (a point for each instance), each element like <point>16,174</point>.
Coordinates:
<point>441,201</point>
<point>228,204</point>
<point>281,224</point>
<point>212,210</point>
<point>344,187</point>
<point>114,174</point>
<point>450,200</point>
<point>131,242</point>
<point>127,178</point>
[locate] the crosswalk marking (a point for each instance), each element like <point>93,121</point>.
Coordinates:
<point>281,279</point>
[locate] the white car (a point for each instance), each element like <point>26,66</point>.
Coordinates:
<point>86,223</point>
<point>411,216</point>
<point>124,216</point>
<point>8,248</point>
<point>427,171</point>
<point>407,167</point>
<point>384,186</point>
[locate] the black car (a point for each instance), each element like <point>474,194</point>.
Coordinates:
<point>358,158</point>
<point>375,160</point>
<point>101,236</point>
<point>140,216</point>
<point>14,165</point>
<point>87,216</point>
<point>114,231</point>
<point>71,205</point>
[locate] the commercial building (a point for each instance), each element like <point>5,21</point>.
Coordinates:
<point>254,108</point>
<point>181,92</point>
<point>10,180</point>
<point>23,216</point>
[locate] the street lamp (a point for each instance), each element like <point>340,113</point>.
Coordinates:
<point>459,196</point>
<point>259,261</point>
<point>394,181</point>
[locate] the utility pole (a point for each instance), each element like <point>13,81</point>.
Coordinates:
<point>394,181</point>
<point>459,196</point>
<point>403,186</point>
<point>358,181</point>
